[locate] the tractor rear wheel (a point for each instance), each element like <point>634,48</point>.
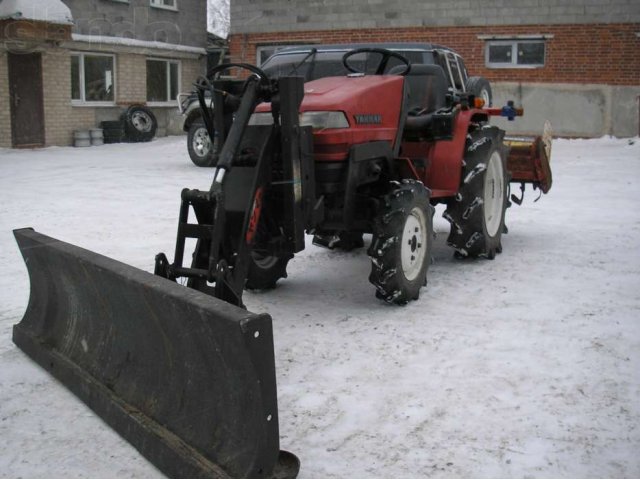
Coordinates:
<point>477,212</point>
<point>400,250</point>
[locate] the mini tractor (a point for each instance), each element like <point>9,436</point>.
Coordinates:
<point>187,374</point>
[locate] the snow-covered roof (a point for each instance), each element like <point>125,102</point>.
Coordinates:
<point>52,11</point>
<point>132,42</point>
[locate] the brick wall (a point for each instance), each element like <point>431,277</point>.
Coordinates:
<point>131,78</point>
<point>587,53</point>
<point>60,118</point>
<point>5,113</point>
<point>191,70</point>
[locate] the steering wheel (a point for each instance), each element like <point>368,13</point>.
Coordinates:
<point>386,55</point>
<point>204,82</point>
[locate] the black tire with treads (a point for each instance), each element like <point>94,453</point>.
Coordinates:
<point>400,250</point>
<point>477,212</point>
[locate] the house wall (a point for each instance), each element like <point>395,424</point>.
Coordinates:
<point>130,88</point>
<point>575,53</point>
<point>262,16</point>
<point>136,19</point>
<point>60,117</point>
<point>588,85</point>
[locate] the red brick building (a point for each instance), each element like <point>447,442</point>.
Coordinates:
<point>576,62</point>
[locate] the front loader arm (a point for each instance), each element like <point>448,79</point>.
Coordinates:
<point>226,214</point>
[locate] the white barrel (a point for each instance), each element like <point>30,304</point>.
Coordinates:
<point>82,138</point>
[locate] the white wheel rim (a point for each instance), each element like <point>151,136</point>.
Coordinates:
<point>413,243</point>
<point>493,194</point>
<point>484,94</point>
<point>201,142</point>
<point>141,121</point>
<point>264,261</point>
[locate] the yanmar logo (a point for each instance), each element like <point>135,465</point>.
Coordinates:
<point>368,119</point>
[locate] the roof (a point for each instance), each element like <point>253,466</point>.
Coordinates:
<point>418,46</point>
<point>51,11</point>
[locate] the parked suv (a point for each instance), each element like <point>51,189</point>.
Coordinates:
<point>318,61</point>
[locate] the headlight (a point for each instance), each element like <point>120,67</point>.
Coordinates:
<point>323,120</point>
<point>315,120</point>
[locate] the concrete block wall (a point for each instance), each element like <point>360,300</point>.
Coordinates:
<point>137,19</point>
<point>5,112</point>
<point>261,16</point>
<point>589,110</point>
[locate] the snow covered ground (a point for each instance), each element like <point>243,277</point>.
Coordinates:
<point>525,366</point>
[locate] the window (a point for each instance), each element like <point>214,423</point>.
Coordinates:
<point>92,77</point>
<point>163,80</point>
<point>168,4</point>
<point>515,53</point>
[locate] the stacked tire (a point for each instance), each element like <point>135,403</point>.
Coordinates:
<point>136,124</point>
<point>113,131</point>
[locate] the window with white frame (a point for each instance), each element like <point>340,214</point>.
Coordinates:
<point>168,4</point>
<point>92,77</point>
<point>163,80</point>
<point>525,53</point>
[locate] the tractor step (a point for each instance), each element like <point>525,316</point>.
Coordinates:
<point>187,379</point>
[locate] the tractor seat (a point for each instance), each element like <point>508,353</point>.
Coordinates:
<point>427,87</point>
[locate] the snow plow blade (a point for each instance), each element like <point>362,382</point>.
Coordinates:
<point>187,379</point>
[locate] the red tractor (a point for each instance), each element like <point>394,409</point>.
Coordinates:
<point>339,157</point>
<point>189,379</point>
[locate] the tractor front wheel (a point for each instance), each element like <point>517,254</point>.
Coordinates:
<point>401,247</point>
<point>477,212</point>
<point>265,270</point>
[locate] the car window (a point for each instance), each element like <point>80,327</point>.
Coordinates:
<point>329,63</point>
<point>323,64</point>
<point>413,57</point>
<point>463,69</point>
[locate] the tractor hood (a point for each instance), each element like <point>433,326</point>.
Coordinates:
<point>355,95</point>
<point>371,105</point>
<point>362,98</point>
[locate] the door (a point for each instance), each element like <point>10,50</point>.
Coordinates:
<point>25,92</point>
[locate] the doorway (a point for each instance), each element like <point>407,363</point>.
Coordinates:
<point>26,99</point>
